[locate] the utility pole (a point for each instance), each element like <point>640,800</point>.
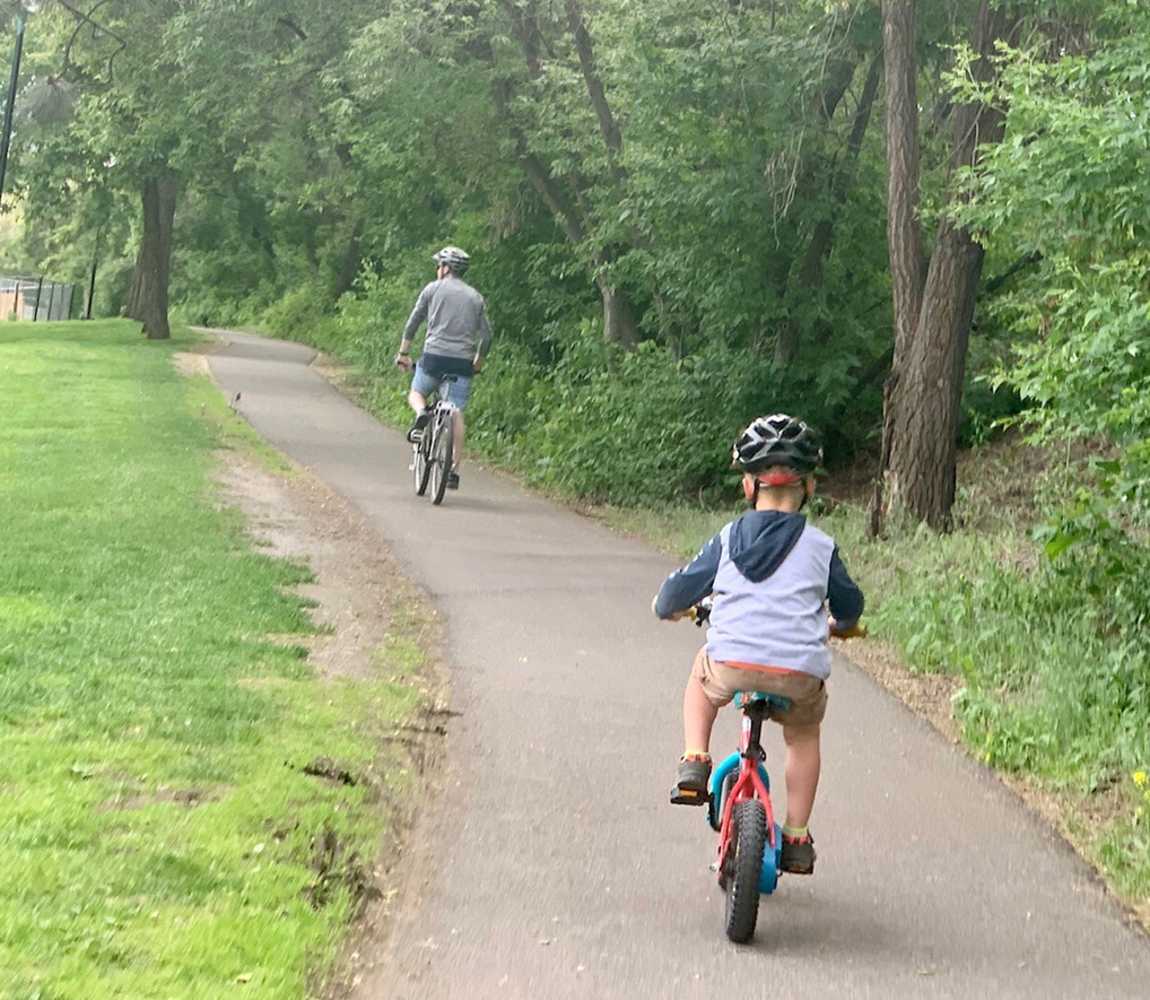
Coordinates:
<point>22,12</point>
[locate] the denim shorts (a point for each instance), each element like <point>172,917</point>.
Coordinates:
<point>457,391</point>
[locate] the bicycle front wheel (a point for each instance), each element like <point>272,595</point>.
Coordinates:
<point>420,466</point>
<point>749,829</point>
<point>442,449</point>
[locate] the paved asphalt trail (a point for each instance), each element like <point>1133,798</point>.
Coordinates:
<point>552,864</point>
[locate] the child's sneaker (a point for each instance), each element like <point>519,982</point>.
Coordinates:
<point>798,855</point>
<point>691,781</point>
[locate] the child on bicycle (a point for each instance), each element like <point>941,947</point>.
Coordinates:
<point>771,575</point>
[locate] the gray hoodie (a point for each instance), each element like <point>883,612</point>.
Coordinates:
<point>771,574</point>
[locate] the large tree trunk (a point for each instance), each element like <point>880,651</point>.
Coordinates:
<point>618,317</point>
<point>904,233</point>
<point>148,294</point>
<point>925,389</point>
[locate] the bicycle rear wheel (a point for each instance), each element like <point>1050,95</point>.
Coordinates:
<point>442,449</point>
<point>749,830</point>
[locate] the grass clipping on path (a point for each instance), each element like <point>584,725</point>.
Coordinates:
<point>158,834</point>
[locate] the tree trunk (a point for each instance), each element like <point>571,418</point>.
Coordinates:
<point>904,234</point>
<point>926,397</point>
<point>618,317</point>
<point>608,126</point>
<point>348,270</point>
<point>925,391</point>
<point>148,294</point>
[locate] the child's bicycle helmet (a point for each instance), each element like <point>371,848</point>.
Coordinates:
<point>778,440</point>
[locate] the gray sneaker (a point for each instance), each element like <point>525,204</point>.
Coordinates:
<point>798,856</point>
<point>691,782</point>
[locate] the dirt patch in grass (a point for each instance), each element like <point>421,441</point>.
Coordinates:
<point>357,585</point>
<point>371,620</point>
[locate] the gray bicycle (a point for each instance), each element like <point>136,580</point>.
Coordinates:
<point>433,450</point>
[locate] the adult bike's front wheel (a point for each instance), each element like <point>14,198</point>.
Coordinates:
<point>442,449</point>
<point>420,466</point>
<point>749,830</point>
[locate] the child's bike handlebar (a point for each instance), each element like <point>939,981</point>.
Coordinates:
<point>701,612</point>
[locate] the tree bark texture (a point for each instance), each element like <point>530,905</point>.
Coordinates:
<point>148,294</point>
<point>904,234</point>
<point>926,391</point>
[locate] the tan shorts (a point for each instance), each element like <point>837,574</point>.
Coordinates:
<point>807,694</point>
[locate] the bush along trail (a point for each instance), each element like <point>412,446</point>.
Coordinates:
<point>184,798</point>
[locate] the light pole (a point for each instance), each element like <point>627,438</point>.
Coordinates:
<point>23,9</point>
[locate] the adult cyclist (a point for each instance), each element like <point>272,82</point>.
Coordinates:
<point>458,337</point>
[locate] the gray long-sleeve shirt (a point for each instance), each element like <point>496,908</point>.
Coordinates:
<point>456,317</point>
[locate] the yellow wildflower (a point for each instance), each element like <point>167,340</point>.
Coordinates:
<point>1141,779</point>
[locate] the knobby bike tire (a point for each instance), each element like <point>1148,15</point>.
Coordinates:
<point>442,448</point>
<point>750,832</point>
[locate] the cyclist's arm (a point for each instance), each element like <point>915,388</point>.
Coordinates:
<point>687,586</point>
<point>415,320</point>
<point>843,595</point>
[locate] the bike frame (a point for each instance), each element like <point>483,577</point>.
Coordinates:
<point>752,783</point>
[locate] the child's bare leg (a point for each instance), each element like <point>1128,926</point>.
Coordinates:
<point>802,768</point>
<point>698,717</point>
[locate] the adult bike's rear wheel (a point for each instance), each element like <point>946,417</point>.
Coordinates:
<point>749,831</point>
<point>442,448</point>
<point>420,466</point>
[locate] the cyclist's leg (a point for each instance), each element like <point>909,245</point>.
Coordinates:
<point>458,392</point>
<point>803,764</point>
<point>702,699</point>
<point>422,386</point>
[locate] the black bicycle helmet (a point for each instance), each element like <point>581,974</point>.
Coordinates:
<point>778,440</point>
<point>454,258</point>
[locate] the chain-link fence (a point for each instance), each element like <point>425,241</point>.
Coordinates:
<point>35,298</point>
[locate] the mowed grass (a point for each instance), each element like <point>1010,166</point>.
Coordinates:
<point>157,836</point>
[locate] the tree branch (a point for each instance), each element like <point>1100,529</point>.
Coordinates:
<point>608,126</point>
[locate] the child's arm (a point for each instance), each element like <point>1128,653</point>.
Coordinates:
<point>686,587</point>
<point>843,595</point>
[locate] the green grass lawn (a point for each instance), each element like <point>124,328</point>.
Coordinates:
<point>156,833</point>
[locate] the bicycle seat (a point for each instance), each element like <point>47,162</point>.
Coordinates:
<point>762,702</point>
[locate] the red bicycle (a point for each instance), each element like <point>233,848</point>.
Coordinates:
<point>739,810</point>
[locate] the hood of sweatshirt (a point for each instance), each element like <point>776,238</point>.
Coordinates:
<point>761,539</point>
